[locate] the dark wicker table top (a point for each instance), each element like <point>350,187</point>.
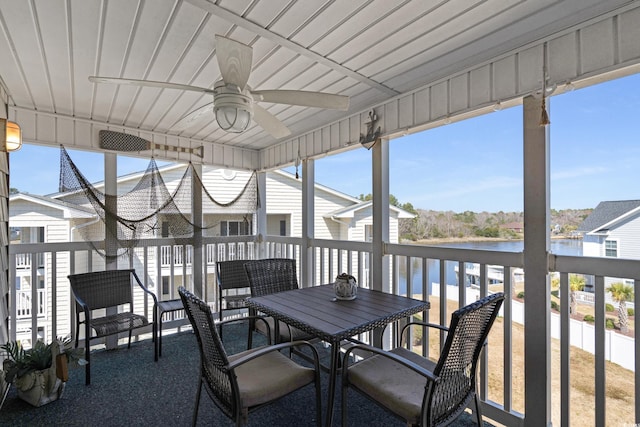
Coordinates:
<point>315,311</point>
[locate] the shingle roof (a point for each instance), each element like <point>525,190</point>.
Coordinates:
<point>606,212</point>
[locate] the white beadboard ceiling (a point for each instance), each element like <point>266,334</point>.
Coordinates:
<point>369,50</point>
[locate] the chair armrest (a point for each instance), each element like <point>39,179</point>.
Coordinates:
<point>277,347</point>
<point>144,288</point>
<point>85,307</point>
<point>426,324</point>
<point>383,353</point>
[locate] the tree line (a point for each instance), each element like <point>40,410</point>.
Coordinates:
<point>431,224</point>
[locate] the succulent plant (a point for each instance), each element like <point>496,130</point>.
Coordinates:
<point>20,362</point>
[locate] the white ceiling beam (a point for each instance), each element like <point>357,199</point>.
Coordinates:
<point>284,42</point>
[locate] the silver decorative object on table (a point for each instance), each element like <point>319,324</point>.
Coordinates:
<point>345,287</point>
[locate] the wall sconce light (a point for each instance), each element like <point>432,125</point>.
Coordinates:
<point>13,138</point>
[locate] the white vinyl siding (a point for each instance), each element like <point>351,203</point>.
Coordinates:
<point>627,236</point>
<point>283,205</point>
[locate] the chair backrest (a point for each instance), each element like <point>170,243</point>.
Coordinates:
<point>220,382</point>
<point>271,275</point>
<point>102,289</point>
<point>458,360</point>
<point>232,275</point>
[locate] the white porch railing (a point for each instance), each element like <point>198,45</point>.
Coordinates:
<point>409,267</point>
<point>179,255</point>
<point>23,261</point>
<point>24,305</point>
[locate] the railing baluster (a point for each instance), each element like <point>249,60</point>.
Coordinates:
<point>636,334</point>
<point>443,299</point>
<point>462,288</point>
<point>600,322</point>
<point>34,302</point>
<point>507,354</point>
<point>54,296</point>
<point>565,340</point>
<point>425,296</point>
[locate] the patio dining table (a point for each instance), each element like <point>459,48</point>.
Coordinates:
<point>315,310</point>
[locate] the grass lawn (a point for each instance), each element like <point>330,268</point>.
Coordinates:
<point>619,381</point>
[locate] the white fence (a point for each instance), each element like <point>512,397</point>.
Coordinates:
<point>619,348</point>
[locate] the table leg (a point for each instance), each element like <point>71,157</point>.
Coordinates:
<point>333,375</point>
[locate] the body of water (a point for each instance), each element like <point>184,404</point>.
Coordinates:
<point>558,247</point>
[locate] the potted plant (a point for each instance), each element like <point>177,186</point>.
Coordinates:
<point>40,373</point>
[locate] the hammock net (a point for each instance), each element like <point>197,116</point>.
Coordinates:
<point>148,209</point>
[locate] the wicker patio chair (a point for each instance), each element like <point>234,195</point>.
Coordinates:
<point>420,391</point>
<point>233,286</point>
<point>268,276</point>
<point>243,382</point>
<point>100,290</point>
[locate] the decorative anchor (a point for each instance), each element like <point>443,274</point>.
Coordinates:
<point>370,139</point>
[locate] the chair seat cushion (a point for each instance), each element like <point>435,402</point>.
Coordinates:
<point>284,331</point>
<point>115,323</point>
<point>269,377</point>
<point>394,386</point>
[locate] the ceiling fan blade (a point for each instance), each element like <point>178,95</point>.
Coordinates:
<point>269,122</point>
<point>303,98</point>
<point>234,60</point>
<point>149,83</point>
<point>194,117</point>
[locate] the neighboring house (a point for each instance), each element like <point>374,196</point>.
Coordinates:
<point>516,227</point>
<point>52,218</point>
<point>612,230</point>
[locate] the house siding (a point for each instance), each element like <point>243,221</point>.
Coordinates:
<point>628,236</point>
<point>592,245</point>
<point>56,229</point>
<point>284,199</point>
<point>283,202</point>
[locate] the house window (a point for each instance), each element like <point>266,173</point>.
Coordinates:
<point>235,228</point>
<point>283,227</point>
<point>166,281</point>
<point>611,248</point>
<point>368,233</point>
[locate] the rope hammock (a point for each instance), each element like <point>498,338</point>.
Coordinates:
<point>148,209</point>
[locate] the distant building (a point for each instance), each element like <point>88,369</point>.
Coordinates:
<point>55,219</point>
<point>516,227</point>
<point>612,230</point>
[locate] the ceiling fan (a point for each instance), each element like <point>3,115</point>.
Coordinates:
<point>234,102</point>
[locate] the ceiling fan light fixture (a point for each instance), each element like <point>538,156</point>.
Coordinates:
<point>233,109</point>
<point>233,119</point>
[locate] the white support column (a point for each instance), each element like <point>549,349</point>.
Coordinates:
<point>111,202</point>
<point>308,225</point>
<point>7,278</point>
<point>380,167</point>
<point>197,263</point>
<point>261,215</point>
<point>537,358</point>
<point>111,233</point>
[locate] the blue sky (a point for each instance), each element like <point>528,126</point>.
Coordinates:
<point>469,165</point>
